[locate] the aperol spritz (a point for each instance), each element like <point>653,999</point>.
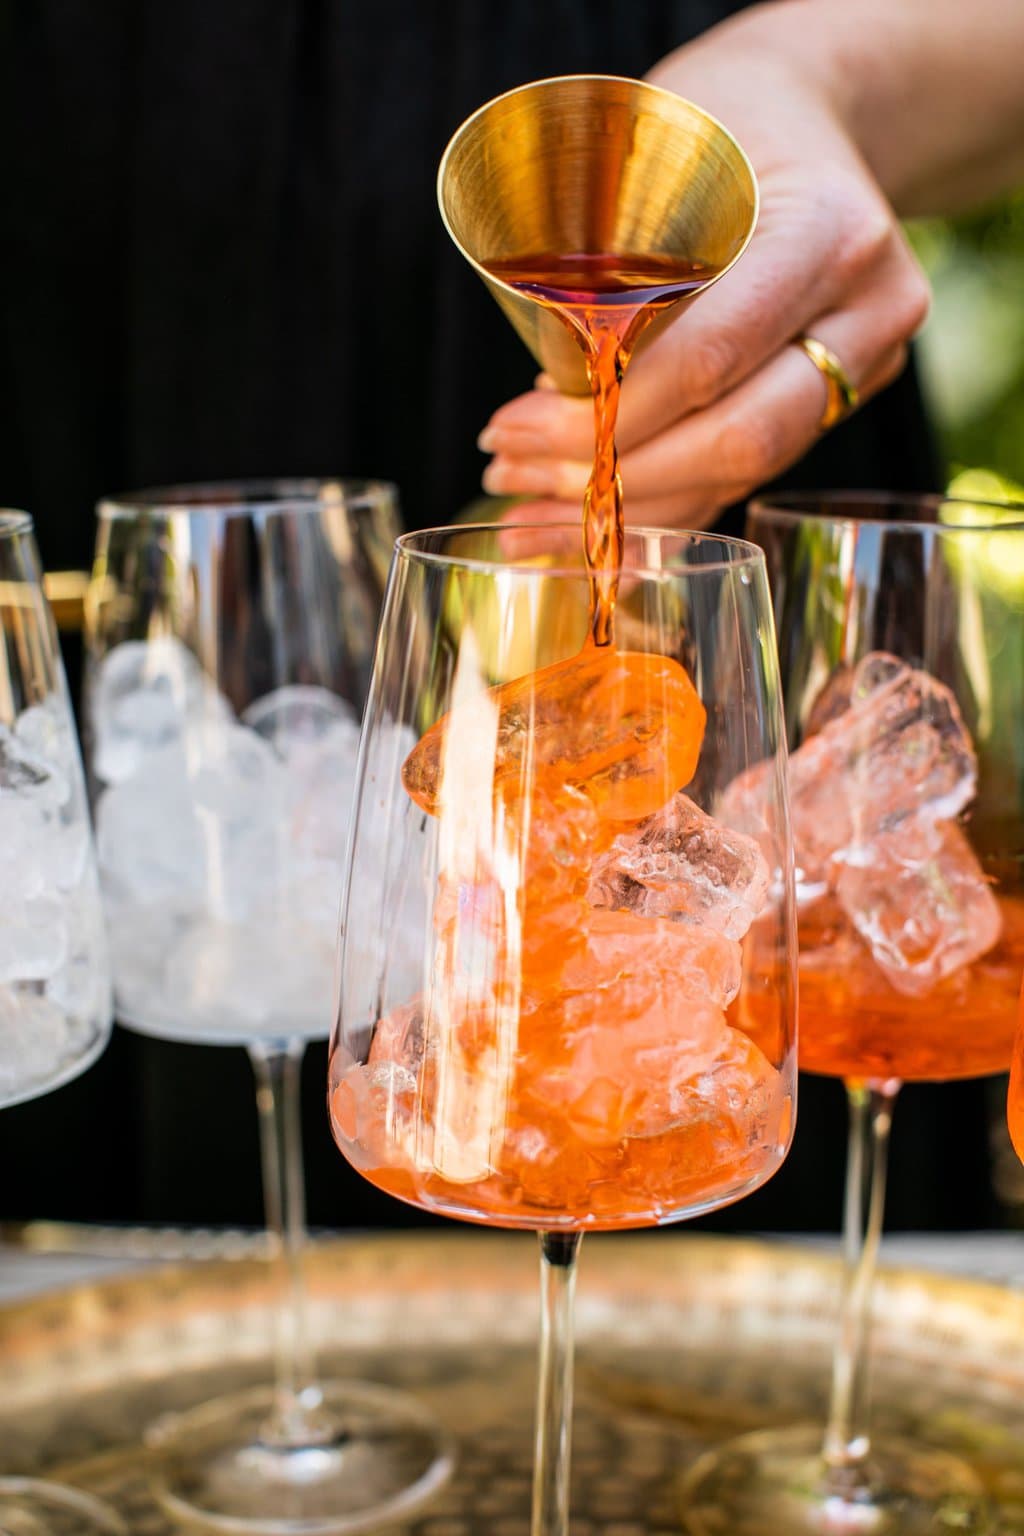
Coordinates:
<point>908,828</point>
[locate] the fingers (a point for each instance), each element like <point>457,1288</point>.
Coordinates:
<point>806,253</point>
<point>716,405</point>
<point>755,430</point>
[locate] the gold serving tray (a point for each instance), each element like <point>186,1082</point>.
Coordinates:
<point>682,1342</point>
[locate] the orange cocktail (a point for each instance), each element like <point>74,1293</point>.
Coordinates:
<point>855,1024</point>
<point>909,961</point>
<point>573,1061</point>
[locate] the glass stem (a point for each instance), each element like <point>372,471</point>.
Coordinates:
<point>277,1070</point>
<point>847,1440</point>
<point>558,1252</point>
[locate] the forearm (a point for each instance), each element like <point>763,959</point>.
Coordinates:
<point>929,90</point>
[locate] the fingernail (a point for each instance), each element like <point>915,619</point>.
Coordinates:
<point>503,477</point>
<point>530,412</point>
<point>516,442</point>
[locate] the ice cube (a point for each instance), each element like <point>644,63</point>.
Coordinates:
<point>460,1047</point>
<point>237,786</point>
<point>636,1039</point>
<point>667,1085</point>
<point>25,845</point>
<point>922,904</point>
<point>681,863</point>
<point>149,841</point>
<point>850,685</point>
<point>80,986</point>
<point>141,936</point>
<point>399,1039</point>
<point>233,773</point>
<point>25,773</point>
<point>243,982</point>
<point>45,729</point>
<point>35,1041</point>
<point>43,849</point>
<point>320,789</point>
<point>146,694</point>
<point>623,727</point>
<point>548,841</point>
<point>900,750</point>
<point>634,1020</point>
<point>622,951</point>
<point>310,892</point>
<point>748,805</point>
<point>376,1106</point>
<point>298,715</point>
<point>33,939</point>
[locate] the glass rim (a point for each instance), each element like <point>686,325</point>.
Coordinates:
<point>13,521</point>
<point>250,495</point>
<point>803,506</point>
<point>745,553</point>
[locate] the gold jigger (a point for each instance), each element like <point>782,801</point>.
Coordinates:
<point>592,163</point>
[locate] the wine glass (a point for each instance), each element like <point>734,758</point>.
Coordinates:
<point>901,636</point>
<point>230,632</point>
<point>55,1005</point>
<point>597,1031</point>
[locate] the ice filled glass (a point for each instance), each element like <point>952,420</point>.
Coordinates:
<point>230,638</point>
<point>55,1000</point>
<point>901,632</point>
<point>598,1029</point>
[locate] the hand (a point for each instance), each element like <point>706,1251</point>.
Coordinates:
<point>722,401</point>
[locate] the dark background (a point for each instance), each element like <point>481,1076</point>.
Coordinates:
<point>220,256</point>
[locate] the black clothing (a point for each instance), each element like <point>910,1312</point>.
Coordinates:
<point>220,256</point>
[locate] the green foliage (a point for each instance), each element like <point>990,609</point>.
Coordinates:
<point>972,348</point>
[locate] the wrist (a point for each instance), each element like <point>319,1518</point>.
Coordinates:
<point>926,91</point>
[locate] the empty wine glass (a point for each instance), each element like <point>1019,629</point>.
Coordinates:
<point>901,637</point>
<point>230,632</point>
<point>566,982</point>
<point>55,1006</point>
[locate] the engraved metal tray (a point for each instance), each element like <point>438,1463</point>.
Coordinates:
<point>682,1341</point>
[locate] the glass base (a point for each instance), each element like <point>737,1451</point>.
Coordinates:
<point>360,1456</point>
<point>29,1507</point>
<point>776,1483</point>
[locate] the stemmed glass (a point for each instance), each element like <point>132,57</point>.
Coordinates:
<point>55,1005</point>
<point>901,637</point>
<point>230,632</point>
<point>598,1033</point>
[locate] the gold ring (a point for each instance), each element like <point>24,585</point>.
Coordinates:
<point>842,394</point>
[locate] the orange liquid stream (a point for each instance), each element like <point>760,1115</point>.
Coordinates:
<point>606,300</point>
<point>855,1025</point>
